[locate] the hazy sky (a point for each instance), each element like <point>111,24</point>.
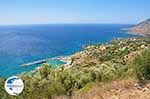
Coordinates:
<point>73,11</point>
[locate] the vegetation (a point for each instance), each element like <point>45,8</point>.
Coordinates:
<point>118,60</point>
<point>141,64</point>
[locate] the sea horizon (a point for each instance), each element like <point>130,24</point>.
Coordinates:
<point>36,24</point>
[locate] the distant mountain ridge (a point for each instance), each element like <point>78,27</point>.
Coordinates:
<point>141,28</point>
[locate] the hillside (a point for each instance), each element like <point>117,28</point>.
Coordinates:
<point>141,28</point>
<point>93,73</point>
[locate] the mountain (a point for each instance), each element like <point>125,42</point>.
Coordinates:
<point>141,28</point>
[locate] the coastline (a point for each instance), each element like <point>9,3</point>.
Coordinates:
<point>78,56</point>
<point>130,31</point>
<point>127,30</point>
<point>138,34</point>
<point>50,51</point>
<point>67,60</point>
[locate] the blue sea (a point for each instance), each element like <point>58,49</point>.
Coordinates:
<point>26,43</point>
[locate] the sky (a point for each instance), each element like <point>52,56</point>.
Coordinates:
<point>73,11</point>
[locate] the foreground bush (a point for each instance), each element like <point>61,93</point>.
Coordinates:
<point>142,65</point>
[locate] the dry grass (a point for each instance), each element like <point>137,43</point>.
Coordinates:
<point>125,89</point>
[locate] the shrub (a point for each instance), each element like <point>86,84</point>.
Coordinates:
<point>141,64</point>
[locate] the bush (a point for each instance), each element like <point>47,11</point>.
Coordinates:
<point>141,64</point>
